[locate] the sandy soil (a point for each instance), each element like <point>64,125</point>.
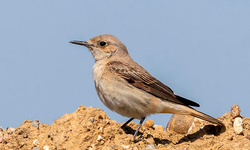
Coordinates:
<point>91,128</point>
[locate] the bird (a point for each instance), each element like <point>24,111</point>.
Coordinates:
<point>128,89</point>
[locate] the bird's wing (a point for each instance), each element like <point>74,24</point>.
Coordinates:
<point>140,78</point>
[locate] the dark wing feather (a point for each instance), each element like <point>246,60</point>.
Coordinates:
<point>141,79</point>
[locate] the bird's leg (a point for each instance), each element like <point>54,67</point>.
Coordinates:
<point>123,126</point>
<point>136,132</point>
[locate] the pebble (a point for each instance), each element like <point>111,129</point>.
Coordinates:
<point>35,148</point>
<point>248,136</point>
<point>99,138</point>
<point>10,130</point>
<point>158,128</point>
<point>35,142</point>
<point>46,147</point>
<point>230,137</point>
<point>126,146</point>
<point>235,111</point>
<point>35,124</point>
<point>1,138</point>
<point>149,147</point>
<point>238,122</point>
<point>1,128</point>
<point>91,119</point>
<point>25,135</point>
<point>148,124</point>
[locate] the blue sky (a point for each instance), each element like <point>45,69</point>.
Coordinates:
<point>201,49</point>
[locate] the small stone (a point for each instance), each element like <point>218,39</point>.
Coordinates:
<point>45,147</point>
<point>180,123</point>
<point>1,128</point>
<point>238,129</point>
<point>6,137</point>
<point>65,135</point>
<point>91,119</point>
<point>150,147</point>
<point>35,124</point>
<point>248,136</point>
<point>35,148</point>
<point>25,135</point>
<point>35,142</point>
<point>126,146</point>
<point>148,124</point>
<point>230,137</point>
<point>158,128</point>
<point>135,148</point>
<point>235,111</point>
<point>1,138</point>
<point>99,138</point>
<point>10,130</point>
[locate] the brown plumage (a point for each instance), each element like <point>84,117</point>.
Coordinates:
<point>145,81</point>
<point>128,89</point>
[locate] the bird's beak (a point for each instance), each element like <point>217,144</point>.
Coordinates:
<point>84,43</point>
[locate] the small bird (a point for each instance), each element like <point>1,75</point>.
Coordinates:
<point>128,89</point>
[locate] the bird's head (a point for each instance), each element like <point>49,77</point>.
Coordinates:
<point>104,46</point>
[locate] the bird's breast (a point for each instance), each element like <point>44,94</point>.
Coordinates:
<point>122,97</point>
<point>98,70</point>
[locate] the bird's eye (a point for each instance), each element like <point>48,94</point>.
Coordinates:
<point>102,43</point>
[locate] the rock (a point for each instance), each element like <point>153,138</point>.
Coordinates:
<point>10,130</point>
<point>25,135</point>
<point>92,119</point>
<point>238,128</point>
<point>148,124</point>
<point>180,123</point>
<point>235,111</point>
<point>99,138</point>
<point>35,143</point>
<point>158,128</point>
<point>35,124</point>
<point>248,136</point>
<point>1,128</point>
<point>150,147</point>
<point>45,147</point>
<point>1,138</point>
<point>126,146</point>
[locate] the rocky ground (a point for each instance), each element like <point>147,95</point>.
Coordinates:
<point>91,128</point>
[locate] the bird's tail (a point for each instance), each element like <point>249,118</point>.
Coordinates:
<point>206,117</point>
<point>186,110</point>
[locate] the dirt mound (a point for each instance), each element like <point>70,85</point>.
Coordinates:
<point>91,128</point>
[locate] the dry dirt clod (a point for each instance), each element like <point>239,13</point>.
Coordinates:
<point>76,131</point>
